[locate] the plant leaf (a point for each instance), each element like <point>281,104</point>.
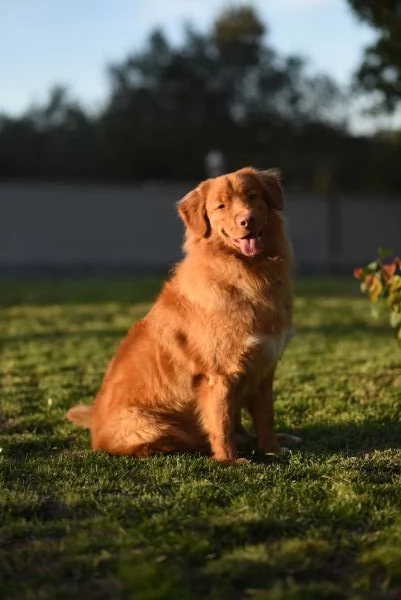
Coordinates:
<point>383,252</point>
<point>372,266</point>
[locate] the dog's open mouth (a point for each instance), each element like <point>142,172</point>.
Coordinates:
<point>250,245</point>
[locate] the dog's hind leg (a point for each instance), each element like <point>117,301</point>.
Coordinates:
<point>243,439</point>
<point>137,432</point>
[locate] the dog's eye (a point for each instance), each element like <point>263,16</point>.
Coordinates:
<point>220,207</point>
<point>252,196</point>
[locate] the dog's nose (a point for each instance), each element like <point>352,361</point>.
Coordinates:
<point>244,220</point>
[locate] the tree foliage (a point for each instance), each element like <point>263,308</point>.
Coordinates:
<point>380,70</point>
<point>168,105</point>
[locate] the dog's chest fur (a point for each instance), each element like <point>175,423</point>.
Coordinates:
<point>257,336</point>
<point>238,321</point>
<point>268,347</point>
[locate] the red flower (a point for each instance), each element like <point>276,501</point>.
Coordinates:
<point>388,271</point>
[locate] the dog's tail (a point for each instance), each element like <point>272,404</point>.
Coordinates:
<point>81,415</point>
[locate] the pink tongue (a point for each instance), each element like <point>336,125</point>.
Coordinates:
<point>251,246</point>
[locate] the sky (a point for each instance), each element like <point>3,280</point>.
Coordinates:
<point>71,42</point>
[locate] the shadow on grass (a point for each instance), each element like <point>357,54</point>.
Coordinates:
<point>59,334</point>
<point>354,438</point>
<point>64,291</point>
<point>322,439</point>
<point>48,508</point>
<point>43,446</point>
<point>326,439</point>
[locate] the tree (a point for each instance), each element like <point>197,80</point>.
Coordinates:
<point>226,88</point>
<point>380,70</point>
<point>169,104</point>
<point>56,140</point>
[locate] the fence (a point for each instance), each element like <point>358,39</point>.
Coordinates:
<point>71,228</point>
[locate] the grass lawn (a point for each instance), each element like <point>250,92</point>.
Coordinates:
<point>323,522</point>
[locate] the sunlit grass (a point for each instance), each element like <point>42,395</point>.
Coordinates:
<point>321,523</point>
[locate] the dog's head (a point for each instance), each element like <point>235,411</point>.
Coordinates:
<point>234,209</point>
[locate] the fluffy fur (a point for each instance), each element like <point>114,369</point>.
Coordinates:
<point>210,344</point>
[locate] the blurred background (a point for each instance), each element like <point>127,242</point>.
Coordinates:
<point>111,111</point>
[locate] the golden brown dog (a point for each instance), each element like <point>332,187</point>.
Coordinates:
<point>210,344</point>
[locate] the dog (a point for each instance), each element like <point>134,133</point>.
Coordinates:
<point>210,344</point>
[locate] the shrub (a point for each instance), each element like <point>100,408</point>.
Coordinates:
<point>381,282</point>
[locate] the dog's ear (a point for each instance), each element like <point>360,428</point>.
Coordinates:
<point>270,181</point>
<point>192,210</point>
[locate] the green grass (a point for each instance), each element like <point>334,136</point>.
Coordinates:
<point>322,523</point>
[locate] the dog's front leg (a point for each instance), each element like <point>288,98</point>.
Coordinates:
<point>260,406</point>
<point>217,410</point>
